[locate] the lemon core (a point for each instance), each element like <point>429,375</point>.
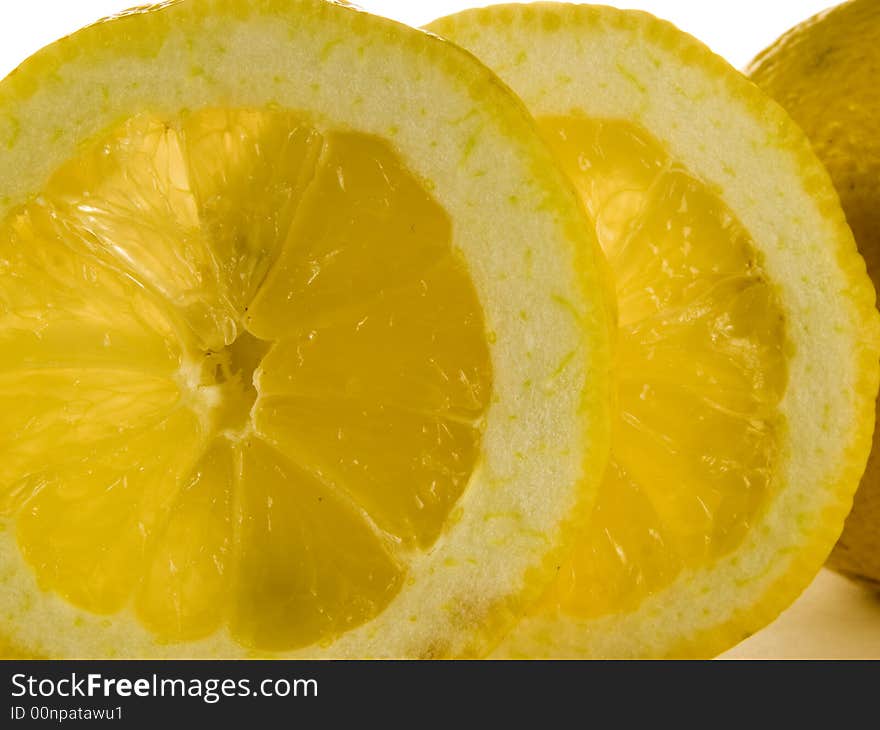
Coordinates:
<point>232,373</point>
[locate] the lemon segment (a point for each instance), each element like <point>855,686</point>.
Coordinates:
<point>129,199</point>
<point>85,314</point>
<point>185,590</point>
<point>406,469</point>
<point>700,370</point>
<point>248,171</point>
<point>367,227</point>
<point>40,407</point>
<point>440,364</point>
<point>87,525</point>
<point>299,580</point>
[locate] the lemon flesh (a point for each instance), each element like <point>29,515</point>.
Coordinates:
<point>738,291</point>
<point>700,370</point>
<point>283,369</point>
<point>218,444</point>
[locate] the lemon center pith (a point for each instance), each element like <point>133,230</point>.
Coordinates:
<point>231,376</point>
<point>244,376</point>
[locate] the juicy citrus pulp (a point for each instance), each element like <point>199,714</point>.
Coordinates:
<point>737,289</point>
<point>231,445</point>
<point>280,365</point>
<point>700,370</point>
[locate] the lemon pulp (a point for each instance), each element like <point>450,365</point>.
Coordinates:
<point>243,376</point>
<point>700,369</point>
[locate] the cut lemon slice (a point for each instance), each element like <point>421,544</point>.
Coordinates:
<point>747,346</point>
<point>282,372</point>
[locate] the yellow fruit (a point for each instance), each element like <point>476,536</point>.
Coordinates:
<point>825,74</point>
<point>747,341</point>
<point>283,371</point>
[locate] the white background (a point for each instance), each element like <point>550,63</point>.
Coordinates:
<point>737,29</point>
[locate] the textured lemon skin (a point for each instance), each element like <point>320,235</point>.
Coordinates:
<point>488,168</point>
<point>824,73</point>
<point>726,130</point>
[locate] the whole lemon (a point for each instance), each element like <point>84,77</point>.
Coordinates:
<point>826,73</point>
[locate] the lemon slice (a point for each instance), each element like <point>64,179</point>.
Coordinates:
<point>747,346</point>
<point>283,372</point>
